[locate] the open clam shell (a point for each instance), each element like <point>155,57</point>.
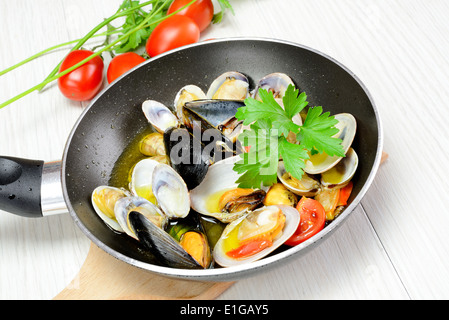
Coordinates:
<point>104,199</point>
<point>220,178</point>
<point>125,205</point>
<point>142,179</point>
<point>170,191</point>
<point>347,126</point>
<point>230,85</point>
<point>307,186</point>
<point>159,116</point>
<point>342,173</point>
<point>277,83</point>
<point>230,237</point>
<point>187,94</point>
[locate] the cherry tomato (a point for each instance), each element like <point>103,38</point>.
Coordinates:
<point>201,12</point>
<point>84,82</point>
<point>172,33</point>
<point>122,63</point>
<point>313,218</point>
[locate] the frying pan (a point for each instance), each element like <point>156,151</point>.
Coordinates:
<point>114,119</point>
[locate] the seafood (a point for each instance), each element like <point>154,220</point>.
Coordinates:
<point>153,145</point>
<point>230,86</point>
<point>168,249</point>
<point>321,162</point>
<point>184,204</point>
<point>159,116</point>
<point>255,235</point>
<point>104,199</point>
<point>219,179</point>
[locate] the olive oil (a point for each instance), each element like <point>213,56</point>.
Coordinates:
<point>121,173</point>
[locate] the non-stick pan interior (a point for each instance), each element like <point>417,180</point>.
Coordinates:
<point>115,118</point>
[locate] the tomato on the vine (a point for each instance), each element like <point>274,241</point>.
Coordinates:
<point>122,63</point>
<point>84,82</point>
<point>172,33</point>
<point>201,11</point>
<point>313,218</point>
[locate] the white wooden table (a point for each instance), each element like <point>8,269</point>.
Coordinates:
<point>396,243</point>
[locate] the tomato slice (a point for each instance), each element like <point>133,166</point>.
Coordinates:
<point>250,248</point>
<point>313,218</point>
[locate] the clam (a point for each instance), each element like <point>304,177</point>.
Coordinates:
<point>255,235</point>
<point>307,186</point>
<point>170,192</point>
<point>220,183</point>
<point>142,179</point>
<point>342,173</point>
<point>277,83</point>
<point>187,94</point>
<point>229,86</point>
<point>159,116</point>
<point>125,205</point>
<point>153,145</point>
<point>104,199</point>
<point>321,162</point>
<point>167,249</point>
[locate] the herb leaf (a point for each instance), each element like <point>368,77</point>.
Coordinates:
<point>271,124</point>
<point>318,131</point>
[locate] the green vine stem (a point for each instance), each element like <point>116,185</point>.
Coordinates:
<point>57,76</point>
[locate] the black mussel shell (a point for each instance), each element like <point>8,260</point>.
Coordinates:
<point>160,243</point>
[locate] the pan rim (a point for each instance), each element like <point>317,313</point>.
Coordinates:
<point>237,272</point>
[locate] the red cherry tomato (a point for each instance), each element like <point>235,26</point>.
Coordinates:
<point>201,11</point>
<point>122,63</point>
<point>172,33</point>
<point>313,218</point>
<point>84,82</point>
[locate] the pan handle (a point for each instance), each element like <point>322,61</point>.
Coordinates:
<point>30,188</point>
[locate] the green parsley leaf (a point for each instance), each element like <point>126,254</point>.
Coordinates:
<point>318,131</point>
<point>225,5</point>
<point>271,124</point>
<point>258,166</point>
<point>294,102</point>
<point>293,156</point>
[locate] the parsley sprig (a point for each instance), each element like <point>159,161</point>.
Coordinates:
<point>270,125</point>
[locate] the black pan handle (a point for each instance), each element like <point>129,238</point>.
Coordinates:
<point>30,188</point>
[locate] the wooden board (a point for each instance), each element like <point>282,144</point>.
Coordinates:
<point>103,277</point>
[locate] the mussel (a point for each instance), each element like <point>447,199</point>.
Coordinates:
<point>187,249</point>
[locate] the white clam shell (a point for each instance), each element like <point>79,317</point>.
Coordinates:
<point>110,222</point>
<point>219,177</point>
<point>181,99</point>
<point>125,205</point>
<point>170,191</point>
<point>142,178</point>
<point>240,85</point>
<point>291,224</point>
<point>347,126</point>
<point>159,116</point>
<point>343,172</point>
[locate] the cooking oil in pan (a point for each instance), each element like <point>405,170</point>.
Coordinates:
<point>121,173</point>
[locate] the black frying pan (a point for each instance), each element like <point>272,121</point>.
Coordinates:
<point>115,117</point>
